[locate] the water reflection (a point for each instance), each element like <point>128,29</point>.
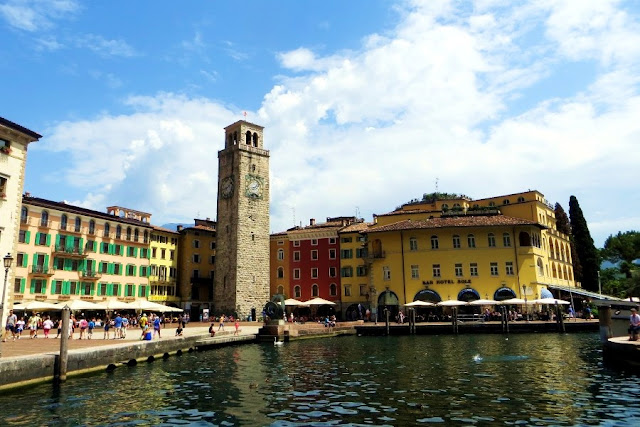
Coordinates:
<point>526,379</point>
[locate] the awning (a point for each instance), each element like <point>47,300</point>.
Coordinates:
<point>583,292</point>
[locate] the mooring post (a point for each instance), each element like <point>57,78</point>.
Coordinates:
<point>560,315</point>
<point>64,345</point>
<point>386,319</point>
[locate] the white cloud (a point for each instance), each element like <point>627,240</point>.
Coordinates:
<point>36,15</point>
<point>375,127</point>
<point>104,46</point>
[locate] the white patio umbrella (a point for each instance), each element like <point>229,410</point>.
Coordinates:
<point>319,301</point>
<point>115,305</point>
<point>36,305</point>
<point>77,304</point>
<point>514,301</point>
<point>143,304</point>
<point>484,302</point>
<point>419,304</point>
<point>294,303</point>
<point>451,303</point>
<point>550,301</point>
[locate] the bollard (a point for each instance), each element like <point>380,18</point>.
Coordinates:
<point>64,345</point>
<point>386,312</point>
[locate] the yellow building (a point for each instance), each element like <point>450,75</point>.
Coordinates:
<point>354,274</point>
<point>68,252</point>
<point>164,266</point>
<point>279,282</point>
<point>494,248</point>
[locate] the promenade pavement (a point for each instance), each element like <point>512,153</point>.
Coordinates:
<point>27,346</point>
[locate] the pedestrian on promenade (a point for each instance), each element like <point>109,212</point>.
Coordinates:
<point>72,326</point>
<point>20,324</point>
<point>634,325</point>
<point>107,326</point>
<point>90,327</point>
<point>10,326</point>
<point>117,326</point>
<point>156,326</point>
<point>33,323</point>
<point>212,331</point>
<point>125,325</point>
<point>144,325</point>
<point>221,325</point>
<point>84,325</point>
<point>58,325</point>
<point>237,325</point>
<point>46,326</point>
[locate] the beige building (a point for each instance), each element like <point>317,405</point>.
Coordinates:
<point>196,273</point>
<point>164,266</point>
<point>14,141</point>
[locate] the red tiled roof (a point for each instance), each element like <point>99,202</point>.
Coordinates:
<point>359,226</point>
<point>410,211</point>
<point>155,227</point>
<point>462,221</point>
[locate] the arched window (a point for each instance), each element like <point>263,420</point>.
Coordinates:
<point>92,227</point>
<point>445,206</point>
<point>118,231</point>
<point>491,240</point>
<point>136,234</point>
<point>281,290</point>
<point>63,222</point>
<point>248,137</point>
<point>520,199</point>
<point>280,254</point>
<point>107,229</point>
<point>230,139</point>
<point>524,238</point>
<point>78,224</point>
<point>296,291</point>
<point>506,240</point>
<point>146,236</point>
<point>555,272</point>
<point>558,255</point>
<point>255,139</point>
<point>333,290</point>
<point>471,241</point>
<point>506,202</point>
<point>434,242</point>
<point>456,241</point>
<point>314,290</point>
<point>280,273</point>
<point>128,233</point>
<point>570,274</point>
<point>492,204</point>
<point>44,219</point>
<point>564,273</point>
<point>24,214</point>
<point>235,138</point>
<point>567,254</point>
<point>540,267</point>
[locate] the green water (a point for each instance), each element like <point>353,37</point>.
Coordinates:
<point>548,379</point>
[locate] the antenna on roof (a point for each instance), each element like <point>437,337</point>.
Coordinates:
<point>437,184</point>
<point>293,212</point>
<point>357,212</point>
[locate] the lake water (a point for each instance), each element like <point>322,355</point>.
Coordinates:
<point>532,379</point>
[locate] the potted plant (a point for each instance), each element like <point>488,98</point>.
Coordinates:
<point>5,149</point>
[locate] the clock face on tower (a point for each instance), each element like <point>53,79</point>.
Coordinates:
<point>226,187</point>
<point>254,187</point>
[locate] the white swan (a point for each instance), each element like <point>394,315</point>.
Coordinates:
<point>276,342</point>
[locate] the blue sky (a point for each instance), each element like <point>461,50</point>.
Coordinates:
<point>365,103</point>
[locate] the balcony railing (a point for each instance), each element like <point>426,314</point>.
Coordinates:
<point>372,255</point>
<point>69,250</point>
<point>41,270</point>
<point>44,224</point>
<point>90,274</point>
<point>25,220</point>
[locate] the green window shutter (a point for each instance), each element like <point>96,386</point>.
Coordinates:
<point>27,237</point>
<point>57,240</point>
<point>81,244</point>
<point>67,265</point>
<point>46,260</point>
<point>93,288</point>
<point>65,287</point>
<point>95,246</point>
<point>48,240</point>
<point>44,287</point>
<point>111,248</point>
<point>33,286</point>
<point>110,268</point>
<point>25,260</point>
<point>37,238</point>
<point>135,252</point>
<point>23,282</point>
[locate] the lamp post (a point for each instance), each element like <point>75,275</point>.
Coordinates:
<point>7,260</point>
<point>526,308</point>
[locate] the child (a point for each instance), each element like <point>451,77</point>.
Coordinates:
<point>91,326</point>
<point>237,325</point>
<point>179,330</point>
<point>20,327</point>
<point>212,331</point>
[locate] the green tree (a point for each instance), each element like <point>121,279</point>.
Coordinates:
<point>563,226</point>
<point>622,247</point>
<point>614,283</point>
<point>586,250</point>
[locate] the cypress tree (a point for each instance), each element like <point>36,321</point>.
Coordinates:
<point>586,250</point>
<point>563,226</point>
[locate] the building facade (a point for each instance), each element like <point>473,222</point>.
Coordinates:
<point>280,265</point>
<point>14,141</point>
<point>242,259</point>
<point>163,277</point>
<point>67,252</point>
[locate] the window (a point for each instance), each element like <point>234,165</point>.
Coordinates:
<point>281,290</point>
<point>102,290</point>
<point>491,240</point>
<point>296,291</point>
<point>87,288</point>
<point>413,244</point>
<point>42,239</point>
<point>456,241</point>
<point>361,270</point>
<point>128,233</point>
<point>78,224</point>
<point>131,251</point>
<point>314,291</point>
<point>90,246</point>
<point>509,268</point>
<point>296,243</point>
<point>506,202</point>
<point>296,273</point>
<point>332,240</point>
<point>117,269</point>
<point>56,287</point>
<point>171,254</point>
<point>347,290</point>
<point>314,242</point>
<point>136,235</point>
<point>196,244</point>
<point>363,290</point>
<point>196,258</point>
<point>332,253</point>
<point>92,227</point>
<point>346,253</point>
<point>314,254</point>
<point>360,252</point>
<point>296,255</point>
<point>436,270</point>
<point>345,240</point>
<point>520,199</point>
<point>107,229</point>
<point>346,271</point>
<point>195,274</point>
<point>280,254</point>
<point>506,240</point>
<point>212,259</point>
<point>434,242</point>
<point>131,270</point>
<point>119,249</point>
<point>118,232</point>
<point>458,270</point>
<point>280,243</point>
<point>128,290</point>
<point>314,273</point>
<point>332,272</point>
<point>473,269</point>
<point>24,215</point>
<point>146,236</point>
<point>18,285</point>
<point>415,274</point>
<point>492,204</point>
<point>38,286</point>
<point>280,273</point>
<point>163,253</point>
<point>22,236</point>
<point>63,222</point>
<point>21,260</point>
<point>333,290</point>
<point>104,267</point>
<point>493,268</point>
<point>116,289</point>
<point>471,240</point>
<point>386,273</point>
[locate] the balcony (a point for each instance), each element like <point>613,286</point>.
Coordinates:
<point>370,256</point>
<point>89,274</point>
<point>41,271</point>
<point>69,251</point>
<point>44,223</point>
<point>25,220</point>
<point>164,298</point>
<point>71,228</point>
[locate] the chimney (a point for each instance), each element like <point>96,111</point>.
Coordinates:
<point>312,221</point>
<point>180,227</point>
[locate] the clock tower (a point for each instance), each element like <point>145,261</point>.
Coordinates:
<point>242,238</point>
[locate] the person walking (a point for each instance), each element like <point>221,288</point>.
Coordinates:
<point>107,326</point>
<point>144,325</point>
<point>33,323</point>
<point>10,326</point>
<point>237,325</point>
<point>46,326</point>
<point>90,327</point>
<point>157,322</point>
<point>221,325</point>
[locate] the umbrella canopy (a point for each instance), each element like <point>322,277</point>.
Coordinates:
<point>36,305</point>
<point>77,304</point>
<point>419,304</point>
<point>484,302</point>
<point>514,301</point>
<point>115,305</point>
<point>451,303</point>
<point>319,301</point>
<point>550,301</point>
<point>143,304</point>
<point>294,303</point>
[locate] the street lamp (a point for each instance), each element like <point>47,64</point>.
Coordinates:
<point>526,308</point>
<point>7,260</point>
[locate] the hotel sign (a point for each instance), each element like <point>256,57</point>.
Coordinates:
<point>447,282</point>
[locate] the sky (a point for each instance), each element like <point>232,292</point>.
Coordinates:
<point>366,104</point>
